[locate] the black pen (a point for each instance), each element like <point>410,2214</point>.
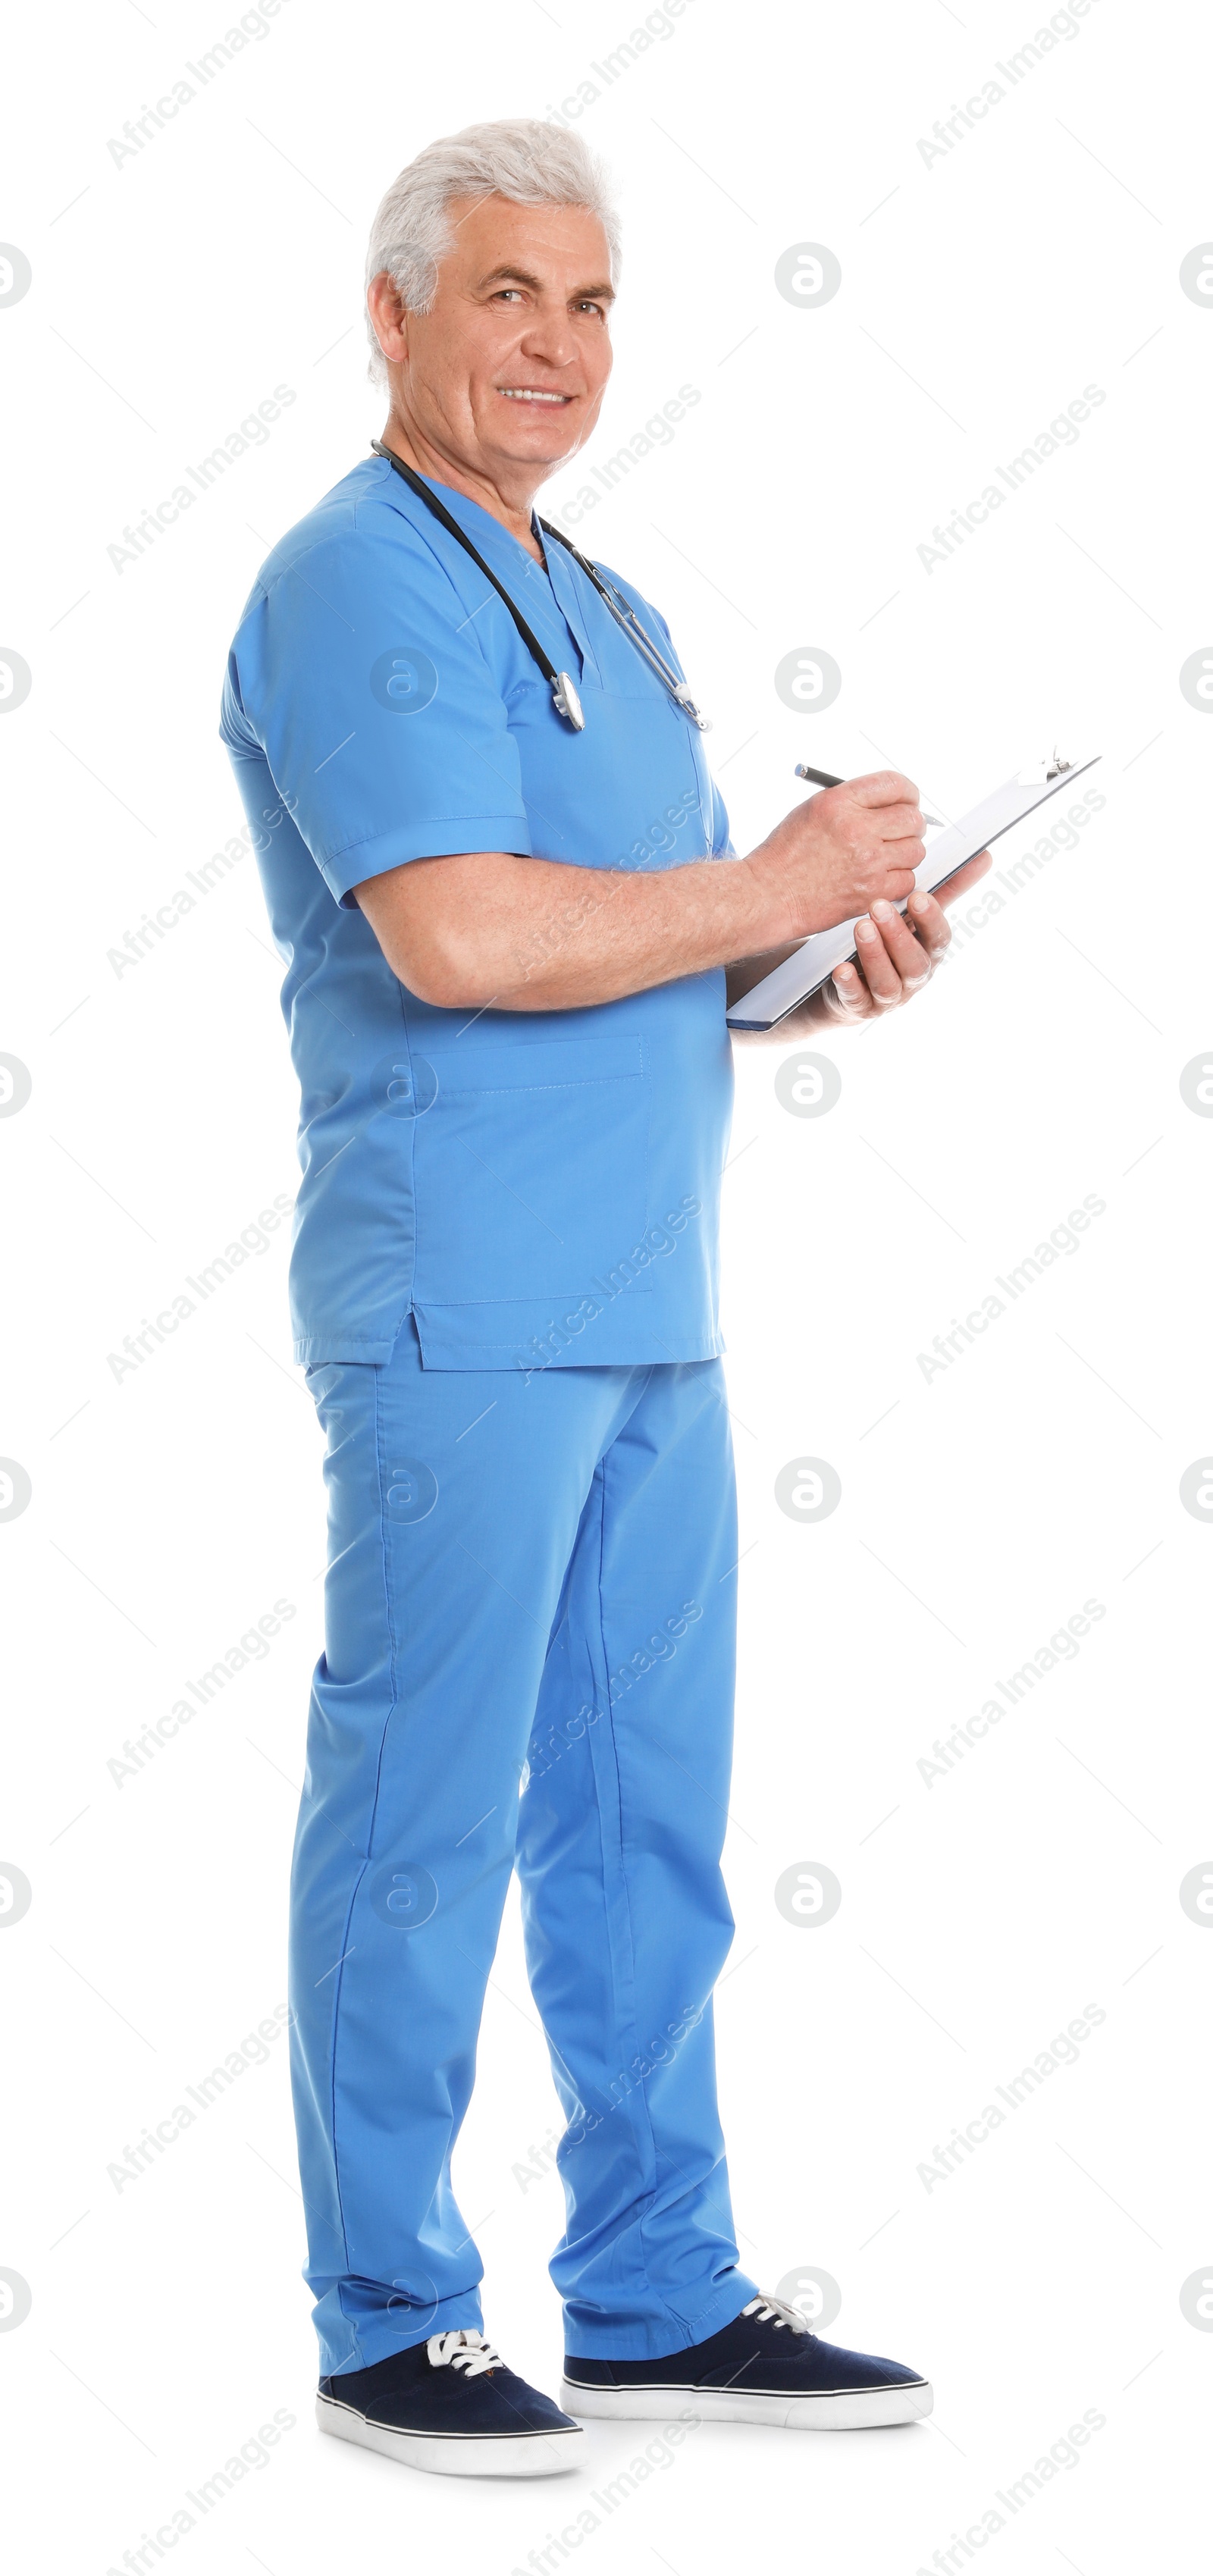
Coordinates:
<point>822,778</point>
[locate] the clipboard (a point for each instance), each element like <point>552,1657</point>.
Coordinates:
<point>812,964</point>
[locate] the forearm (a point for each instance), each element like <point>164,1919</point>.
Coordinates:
<point>492,930</point>
<point>519,934</point>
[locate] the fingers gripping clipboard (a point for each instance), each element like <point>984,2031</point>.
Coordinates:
<point>811,965</point>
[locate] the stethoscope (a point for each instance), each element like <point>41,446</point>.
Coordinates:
<point>564,695</point>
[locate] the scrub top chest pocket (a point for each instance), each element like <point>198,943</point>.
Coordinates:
<point>632,792</point>
<point>530,1167</point>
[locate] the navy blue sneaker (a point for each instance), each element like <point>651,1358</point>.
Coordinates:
<point>451,2405</point>
<point>764,2368</point>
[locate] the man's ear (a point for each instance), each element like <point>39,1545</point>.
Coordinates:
<point>388,314</point>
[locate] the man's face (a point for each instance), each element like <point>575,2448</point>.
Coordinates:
<point>509,367</point>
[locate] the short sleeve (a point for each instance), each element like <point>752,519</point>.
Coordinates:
<point>358,676</point>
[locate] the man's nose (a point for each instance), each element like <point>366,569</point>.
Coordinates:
<point>550,336</point>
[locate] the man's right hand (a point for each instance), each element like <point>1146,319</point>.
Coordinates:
<point>842,851</point>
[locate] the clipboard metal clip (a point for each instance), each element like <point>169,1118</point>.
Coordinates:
<point>1059,767</point>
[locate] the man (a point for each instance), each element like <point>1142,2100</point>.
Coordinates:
<point>507,939</point>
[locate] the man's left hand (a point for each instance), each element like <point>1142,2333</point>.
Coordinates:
<point>897,952</point>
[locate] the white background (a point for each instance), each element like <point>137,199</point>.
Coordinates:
<point>980,1507</point>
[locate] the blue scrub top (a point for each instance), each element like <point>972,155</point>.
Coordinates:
<point>537,1188</point>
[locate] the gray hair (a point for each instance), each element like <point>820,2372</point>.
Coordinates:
<point>523,158</point>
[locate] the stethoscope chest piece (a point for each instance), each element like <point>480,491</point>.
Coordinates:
<point>566,701</point>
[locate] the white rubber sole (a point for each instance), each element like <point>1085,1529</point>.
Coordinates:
<point>834,2410</point>
<point>458,2455</point>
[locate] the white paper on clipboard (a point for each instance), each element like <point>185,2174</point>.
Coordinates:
<point>811,965</point>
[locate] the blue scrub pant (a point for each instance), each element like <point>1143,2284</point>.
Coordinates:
<point>528,1663</point>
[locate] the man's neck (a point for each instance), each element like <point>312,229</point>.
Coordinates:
<point>413,448</point>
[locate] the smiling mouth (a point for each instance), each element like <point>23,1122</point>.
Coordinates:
<point>531,393</point>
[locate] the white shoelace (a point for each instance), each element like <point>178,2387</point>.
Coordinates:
<point>777,2312</point>
<point>465,2350</point>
